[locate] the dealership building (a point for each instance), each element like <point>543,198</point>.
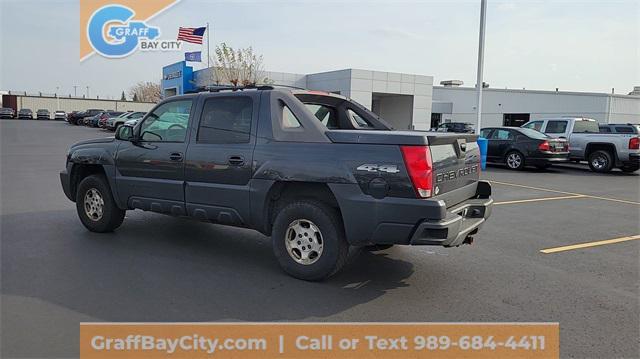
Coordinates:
<point>411,101</point>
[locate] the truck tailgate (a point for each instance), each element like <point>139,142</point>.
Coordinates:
<point>455,158</point>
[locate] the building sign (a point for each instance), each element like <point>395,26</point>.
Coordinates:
<point>116,29</point>
<point>173,75</point>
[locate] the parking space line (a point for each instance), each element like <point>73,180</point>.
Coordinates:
<point>567,193</point>
<point>589,244</point>
<point>538,199</point>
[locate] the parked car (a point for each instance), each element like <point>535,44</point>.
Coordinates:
<point>456,127</point>
<point>115,122</point>
<point>25,113</point>
<point>520,147</point>
<point>7,112</point>
<point>43,114</point>
<point>261,159</point>
<point>102,122</point>
<point>133,122</point>
<point>87,115</point>
<point>603,151</point>
<point>60,115</point>
<point>620,128</point>
<point>75,116</point>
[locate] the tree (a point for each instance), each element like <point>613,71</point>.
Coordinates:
<point>241,67</point>
<point>146,92</point>
<point>123,98</point>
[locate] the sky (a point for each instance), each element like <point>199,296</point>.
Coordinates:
<point>591,46</point>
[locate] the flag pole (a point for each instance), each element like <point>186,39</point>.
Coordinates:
<point>208,37</point>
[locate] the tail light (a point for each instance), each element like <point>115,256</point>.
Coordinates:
<point>634,143</point>
<point>544,146</point>
<point>417,159</point>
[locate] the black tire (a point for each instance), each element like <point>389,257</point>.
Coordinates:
<point>629,169</point>
<point>514,160</point>
<point>377,247</point>
<point>111,217</point>
<point>335,248</point>
<point>600,161</point>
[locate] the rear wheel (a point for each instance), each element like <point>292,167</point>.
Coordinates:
<point>600,161</point>
<point>95,205</point>
<point>515,160</point>
<point>309,240</point>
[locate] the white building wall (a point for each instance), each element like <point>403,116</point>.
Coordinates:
<point>624,109</point>
<point>539,104</point>
<point>78,104</point>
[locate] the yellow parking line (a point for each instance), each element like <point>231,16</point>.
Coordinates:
<point>589,244</point>
<point>537,199</point>
<point>567,193</point>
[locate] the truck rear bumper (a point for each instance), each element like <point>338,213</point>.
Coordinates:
<point>413,221</point>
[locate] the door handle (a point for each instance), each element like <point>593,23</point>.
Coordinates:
<point>176,156</point>
<point>236,160</point>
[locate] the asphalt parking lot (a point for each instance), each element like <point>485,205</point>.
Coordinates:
<point>55,274</point>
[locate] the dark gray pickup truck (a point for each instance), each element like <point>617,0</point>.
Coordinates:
<point>316,171</point>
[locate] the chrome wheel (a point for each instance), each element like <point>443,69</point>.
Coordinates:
<point>599,162</point>
<point>93,204</point>
<point>303,241</point>
<point>514,160</point>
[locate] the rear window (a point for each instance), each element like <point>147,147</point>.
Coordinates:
<point>582,126</point>
<point>325,114</point>
<point>533,134</point>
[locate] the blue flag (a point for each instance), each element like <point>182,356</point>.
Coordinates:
<point>193,56</point>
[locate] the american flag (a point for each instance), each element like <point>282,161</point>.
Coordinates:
<point>191,34</point>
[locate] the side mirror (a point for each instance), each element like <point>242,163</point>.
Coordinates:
<point>124,133</point>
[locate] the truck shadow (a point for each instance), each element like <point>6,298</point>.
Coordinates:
<point>158,268</point>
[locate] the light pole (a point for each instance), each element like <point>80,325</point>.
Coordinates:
<point>479,82</point>
<point>87,91</point>
<point>57,98</point>
<point>75,90</point>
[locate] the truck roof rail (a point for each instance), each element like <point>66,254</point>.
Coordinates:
<point>217,88</point>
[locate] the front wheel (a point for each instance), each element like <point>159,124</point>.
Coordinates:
<point>600,161</point>
<point>309,241</point>
<point>95,205</point>
<point>515,160</point>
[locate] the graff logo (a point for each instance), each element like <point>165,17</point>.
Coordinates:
<point>125,37</point>
<point>116,30</point>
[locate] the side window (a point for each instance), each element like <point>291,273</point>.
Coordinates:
<point>357,120</point>
<point>226,120</point>
<point>485,132</point>
<point>605,129</point>
<point>501,135</point>
<point>624,130</point>
<point>289,120</point>
<point>556,127</point>
<point>535,125</point>
<point>325,114</point>
<point>167,123</point>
